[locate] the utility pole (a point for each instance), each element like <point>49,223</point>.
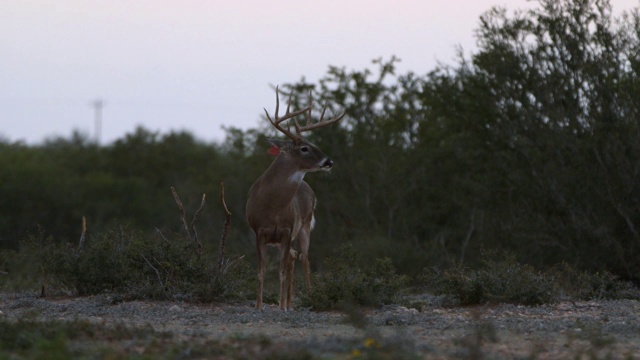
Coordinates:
<point>98,104</point>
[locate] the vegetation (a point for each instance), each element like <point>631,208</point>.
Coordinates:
<point>30,339</point>
<point>345,282</point>
<point>528,145</point>
<point>136,266</point>
<point>501,279</point>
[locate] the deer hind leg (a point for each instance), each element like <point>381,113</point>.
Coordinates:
<point>261,245</point>
<point>305,238</point>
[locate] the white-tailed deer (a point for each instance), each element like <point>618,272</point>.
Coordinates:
<point>281,204</point>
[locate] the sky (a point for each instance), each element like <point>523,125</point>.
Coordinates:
<point>199,65</point>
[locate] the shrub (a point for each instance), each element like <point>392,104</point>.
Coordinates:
<point>503,280</point>
<point>589,286</point>
<point>345,281</point>
<point>135,265</point>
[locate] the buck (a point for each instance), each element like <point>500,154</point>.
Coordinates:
<point>280,204</point>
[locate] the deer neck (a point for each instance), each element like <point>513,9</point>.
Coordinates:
<point>281,181</point>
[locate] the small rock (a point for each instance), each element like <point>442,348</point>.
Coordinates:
<point>175,308</point>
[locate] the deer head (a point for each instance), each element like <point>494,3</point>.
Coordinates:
<point>308,156</point>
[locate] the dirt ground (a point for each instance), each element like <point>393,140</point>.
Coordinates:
<point>597,329</point>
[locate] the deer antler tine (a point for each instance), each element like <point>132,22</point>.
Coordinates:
<point>310,124</point>
<point>310,107</point>
<point>268,117</point>
<point>297,126</point>
<point>277,102</point>
<point>324,109</point>
<point>289,104</point>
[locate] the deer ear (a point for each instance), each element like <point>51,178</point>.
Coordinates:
<point>278,146</point>
<point>274,150</point>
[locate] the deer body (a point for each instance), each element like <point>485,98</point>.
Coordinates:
<point>280,205</point>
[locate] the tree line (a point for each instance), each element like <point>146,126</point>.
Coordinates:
<point>529,145</point>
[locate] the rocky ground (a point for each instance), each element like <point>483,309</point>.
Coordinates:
<point>597,329</point>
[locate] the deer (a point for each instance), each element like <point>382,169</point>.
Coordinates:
<point>280,204</point>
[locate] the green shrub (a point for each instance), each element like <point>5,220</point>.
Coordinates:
<point>135,265</point>
<point>503,280</point>
<point>345,281</point>
<point>589,286</point>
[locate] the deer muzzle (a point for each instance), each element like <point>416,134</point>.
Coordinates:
<point>326,164</point>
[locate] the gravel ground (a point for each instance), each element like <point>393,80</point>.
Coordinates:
<point>599,329</point>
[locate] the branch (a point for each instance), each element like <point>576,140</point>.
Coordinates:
<point>161,235</point>
<point>82,236</point>
<point>225,229</point>
<point>193,224</point>
<point>157,274</point>
<point>182,213</point>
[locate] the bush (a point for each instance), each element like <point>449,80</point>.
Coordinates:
<point>504,280</point>
<point>344,281</point>
<point>136,265</point>
<point>586,286</point>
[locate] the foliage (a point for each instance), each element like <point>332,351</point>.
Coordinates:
<point>528,145</point>
<point>582,285</point>
<point>344,282</point>
<point>502,279</point>
<point>136,266</point>
<point>498,281</point>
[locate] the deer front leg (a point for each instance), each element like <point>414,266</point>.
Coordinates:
<point>293,256</point>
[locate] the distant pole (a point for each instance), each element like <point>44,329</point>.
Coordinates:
<point>98,104</point>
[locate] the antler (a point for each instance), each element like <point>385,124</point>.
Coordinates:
<point>310,125</point>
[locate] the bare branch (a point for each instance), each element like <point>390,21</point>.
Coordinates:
<point>182,212</point>
<point>157,273</point>
<point>230,262</point>
<point>193,224</point>
<point>225,229</point>
<point>82,236</point>
<point>161,235</point>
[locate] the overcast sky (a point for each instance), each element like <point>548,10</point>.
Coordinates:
<point>199,65</point>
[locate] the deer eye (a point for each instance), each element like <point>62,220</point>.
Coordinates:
<point>304,149</point>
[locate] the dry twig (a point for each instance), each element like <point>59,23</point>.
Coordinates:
<point>225,229</point>
<point>161,235</point>
<point>162,286</point>
<point>83,236</point>
<point>193,222</point>
<point>182,212</point>
<point>184,220</point>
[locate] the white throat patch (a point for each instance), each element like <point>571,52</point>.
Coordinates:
<point>297,177</point>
